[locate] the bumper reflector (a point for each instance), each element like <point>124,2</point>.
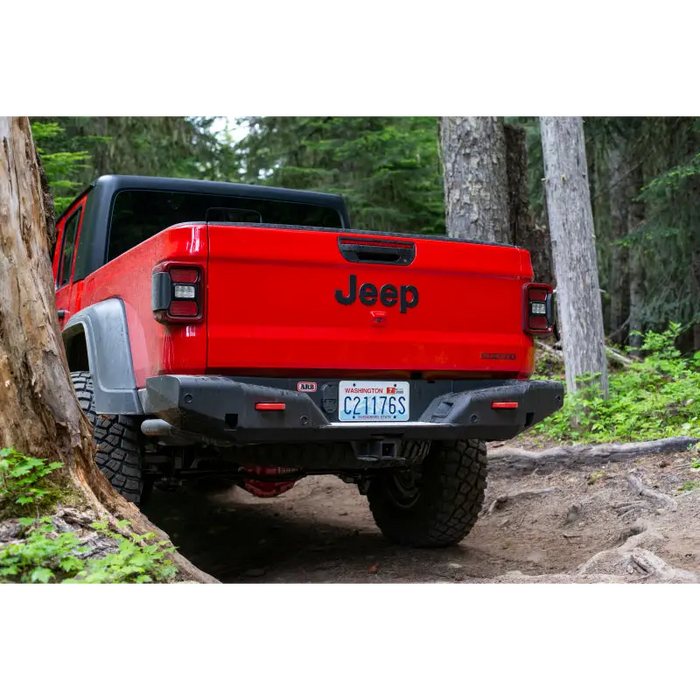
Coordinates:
<point>504,404</point>
<point>270,406</point>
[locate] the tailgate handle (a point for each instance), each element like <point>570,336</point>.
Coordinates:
<point>377,251</point>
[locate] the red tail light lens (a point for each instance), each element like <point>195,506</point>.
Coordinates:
<point>183,309</point>
<point>186,275</point>
<point>177,293</point>
<point>539,309</point>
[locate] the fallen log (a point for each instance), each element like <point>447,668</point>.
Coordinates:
<point>619,357</point>
<point>612,354</point>
<point>571,457</point>
<point>550,350</point>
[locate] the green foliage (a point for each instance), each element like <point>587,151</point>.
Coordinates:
<point>45,556</point>
<point>24,484</point>
<point>387,168</point>
<point>138,560</point>
<point>689,486</point>
<point>668,183</point>
<point>62,167</point>
<point>656,398</point>
<point>42,555</point>
<point>76,150</point>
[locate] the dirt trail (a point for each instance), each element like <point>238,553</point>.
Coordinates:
<point>544,526</point>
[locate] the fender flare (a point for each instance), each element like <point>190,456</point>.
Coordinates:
<point>109,356</point>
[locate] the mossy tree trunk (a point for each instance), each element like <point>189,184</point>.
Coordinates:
<point>39,411</point>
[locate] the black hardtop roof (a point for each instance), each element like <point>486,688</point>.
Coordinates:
<point>108,184</point>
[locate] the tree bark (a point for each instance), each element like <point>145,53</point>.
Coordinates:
<point>635,216</point>
<point>695,285</point>
<point>574,252</point>
<point>476,181</point>
<point>619,214</point>
<point>39,412</point>
<point>695,256</point>
<point>523,230</point>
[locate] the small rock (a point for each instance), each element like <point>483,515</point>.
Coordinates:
<point>343,513</point>
<point>10,531</point>
<point>453,565</point>
<point>255,573</point>
<point>373,569</point>
<point>573,514</point>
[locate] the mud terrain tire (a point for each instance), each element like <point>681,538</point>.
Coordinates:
<point>441,504</point>
<point>117,439</point>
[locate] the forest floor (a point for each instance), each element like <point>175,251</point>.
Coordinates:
<point>570,525</point>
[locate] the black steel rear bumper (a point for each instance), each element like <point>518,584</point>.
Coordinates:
<point>223,409</point>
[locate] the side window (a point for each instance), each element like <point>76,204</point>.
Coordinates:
<point>68,248</point>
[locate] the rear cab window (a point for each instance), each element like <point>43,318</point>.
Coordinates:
<point>68,241</point>
<point>139,214</point>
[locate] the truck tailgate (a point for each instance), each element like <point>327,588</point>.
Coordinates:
<point>283,299</point>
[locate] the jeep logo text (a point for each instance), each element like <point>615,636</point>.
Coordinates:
<point>388,295</point>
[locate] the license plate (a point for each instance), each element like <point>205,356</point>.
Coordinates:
<point>373,401</point>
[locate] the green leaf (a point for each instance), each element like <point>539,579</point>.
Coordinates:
<point>41,575</point>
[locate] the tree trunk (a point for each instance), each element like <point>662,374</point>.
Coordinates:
<point>619,214</point>
<point>695,286</point>
<point>635,216</point>
<point>694,229</point>
<point>573,246</point>
<point>523,231</point>
<point>476,181</point>
<point>39,412</point>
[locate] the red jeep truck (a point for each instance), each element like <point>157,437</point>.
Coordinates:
<point>248,332</point>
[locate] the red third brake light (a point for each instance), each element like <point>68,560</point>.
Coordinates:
<point>177,293</point>
<point>539,309</point>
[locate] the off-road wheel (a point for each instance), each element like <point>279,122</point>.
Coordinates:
<point>119,455</point>
<point>435,504</point>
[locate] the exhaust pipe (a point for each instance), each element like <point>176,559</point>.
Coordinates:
<point>168,434</point>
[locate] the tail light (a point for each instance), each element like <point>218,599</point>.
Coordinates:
<point>539,309</point>
<point>177,293</point>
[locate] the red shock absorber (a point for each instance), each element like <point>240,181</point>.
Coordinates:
<point>268,487</point>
